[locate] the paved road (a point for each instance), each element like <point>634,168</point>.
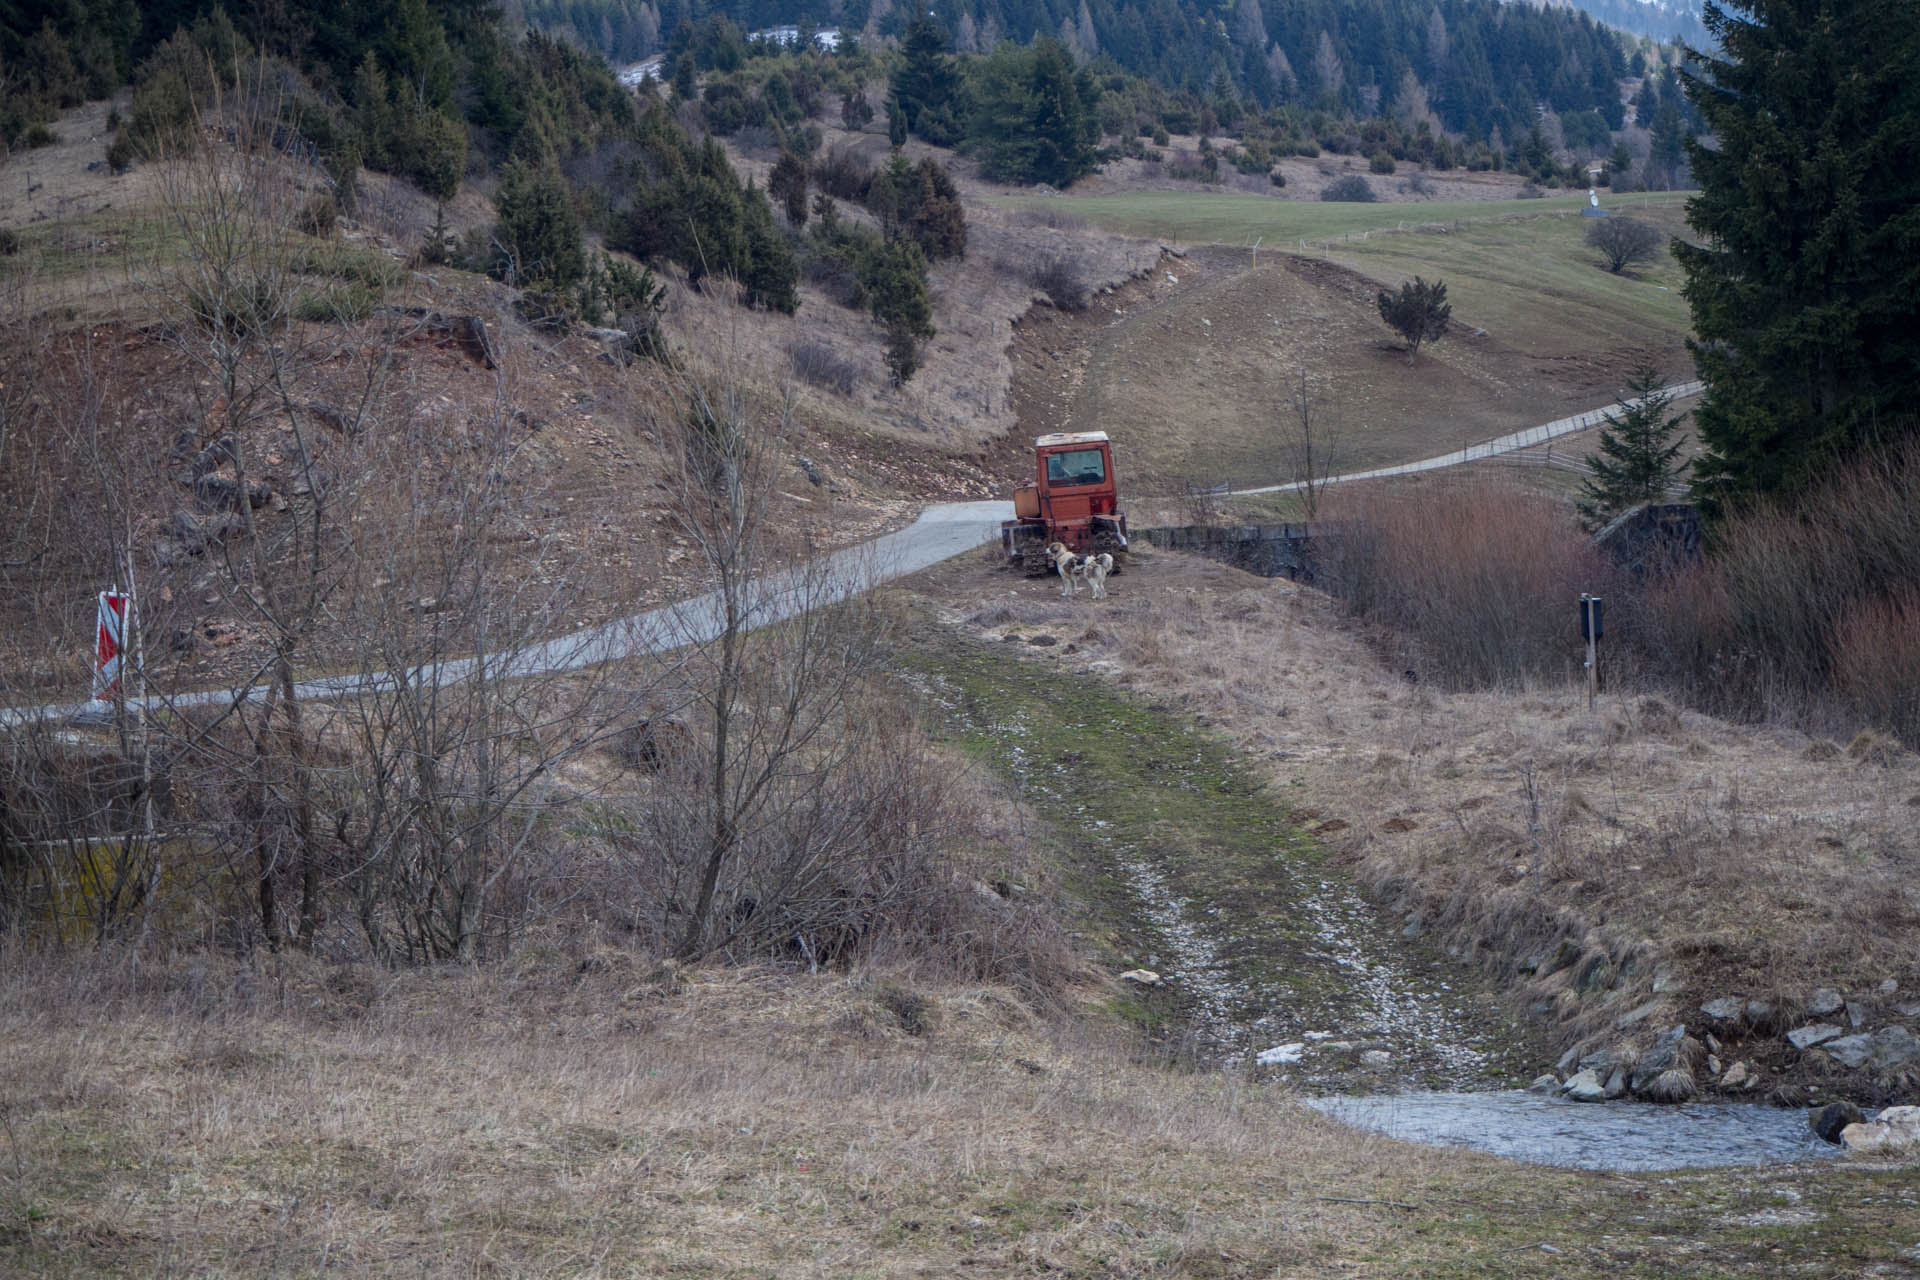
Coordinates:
<point>1492,448</point>
<point>942,531</point>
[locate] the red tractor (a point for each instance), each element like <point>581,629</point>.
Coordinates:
<point>1074,500</point>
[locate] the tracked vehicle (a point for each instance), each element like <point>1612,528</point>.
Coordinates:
<point>1072,499</point>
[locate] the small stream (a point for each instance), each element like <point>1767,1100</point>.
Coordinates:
<point>1278,965</point>
<point>1586,1135</point>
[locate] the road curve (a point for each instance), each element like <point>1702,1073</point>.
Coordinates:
<point>941,532</point>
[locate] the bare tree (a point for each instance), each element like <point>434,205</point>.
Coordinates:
<point>780,829</point>
<point>386,549</point>
<point>1308,446</point>
<point>1622,242</point>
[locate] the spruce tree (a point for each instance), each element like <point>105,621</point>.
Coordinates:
<point>1638,457</point>
<point>1805,285</point>
<point>927,85</point>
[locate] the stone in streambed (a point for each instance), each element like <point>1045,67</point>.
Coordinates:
<point>1585,1086</point>
<point>1827,1122</point>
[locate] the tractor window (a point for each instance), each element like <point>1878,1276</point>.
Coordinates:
<point>1081,466</point>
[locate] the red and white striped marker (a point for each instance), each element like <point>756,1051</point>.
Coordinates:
<point>110,641</point>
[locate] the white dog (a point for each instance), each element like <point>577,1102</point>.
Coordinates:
<point>1073,570</point>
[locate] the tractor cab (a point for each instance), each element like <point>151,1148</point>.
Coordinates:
<point>1073,499</point>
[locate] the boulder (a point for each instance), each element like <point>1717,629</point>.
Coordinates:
<point>1827,1122</point>
<point>1850,1052</point>
<point>1281,1054</point>
<point>1725,1012</point>
<point>1806,1037</point>
<point>1673,1050</point>
<point>1599,1060</point>
<point>1894,1132</point>
<point>1825,1003</point>
<point>1738,1076</point>
<point>1761,1014</point>
<point>1585,1086</point>
<point>216,455</point>
<point>219,493</point>
<point>1143,978</point>
<point>1888,1049</point>
<point>1894,1047</point>
<point>1545,1083</point>
<point>1638,1015</point>
<point>1616,1084</point>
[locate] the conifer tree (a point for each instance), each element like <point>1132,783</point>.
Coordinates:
<point>538,233</point>
<point>788,184</point>
<point>895,277</point>
<point>1803,286</point>
<point>1419,313</point>
<point>927,86</point>
<point>1638,457</point>
<point>1034,119</point>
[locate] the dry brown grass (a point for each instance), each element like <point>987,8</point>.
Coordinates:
<point>1685,857</point>
<point>617,1119</point>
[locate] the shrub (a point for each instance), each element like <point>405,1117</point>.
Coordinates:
<point>818,364</point>
<point>1875,650</point>
<point>9,242</point>
<point>1352,189</point>
<point>318,216</point>
<point>1624,241</point>
<point>121,153</point>
<point>843,174</point>
<point>1796,613</point>
<point>1380,162</point>
<point>1278,178</point>
<point>1477,573</point>
<point>537,230</point>
<point>1063,279</point>
<point>37,135</point>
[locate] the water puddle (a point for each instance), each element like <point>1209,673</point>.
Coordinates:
<point>1585,1135</point>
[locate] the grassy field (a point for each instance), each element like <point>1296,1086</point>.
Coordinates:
<point>1536,275</point>
<point>1235,219</point>
<point>1200,382</point>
